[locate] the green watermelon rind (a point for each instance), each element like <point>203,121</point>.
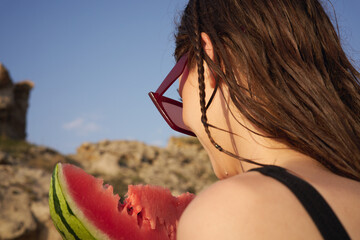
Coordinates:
<point>63,213</point>
<point>91,228</point>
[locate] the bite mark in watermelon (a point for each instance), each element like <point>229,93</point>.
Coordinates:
<point>81,207</point>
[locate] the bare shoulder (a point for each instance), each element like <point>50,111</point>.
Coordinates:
<point>249,206</point>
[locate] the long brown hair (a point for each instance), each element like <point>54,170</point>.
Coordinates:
<point>300,86</point>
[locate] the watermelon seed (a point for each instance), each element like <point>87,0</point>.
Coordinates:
<point>120,206</point>
<point>130,210</point>
<point>140,219</point>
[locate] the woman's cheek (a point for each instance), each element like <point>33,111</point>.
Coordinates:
<point>188,114</point>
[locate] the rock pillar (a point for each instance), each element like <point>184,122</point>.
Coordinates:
<point>14,102</point>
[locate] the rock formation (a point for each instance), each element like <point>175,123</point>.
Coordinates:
<point>183,166</point>
<point>25,172</point>
<point>13,105</point>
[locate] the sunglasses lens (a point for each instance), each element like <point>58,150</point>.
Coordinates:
<point>175,114</point>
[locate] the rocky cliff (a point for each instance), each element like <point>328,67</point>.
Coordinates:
<point>25,172</point>
<point>183,166</point>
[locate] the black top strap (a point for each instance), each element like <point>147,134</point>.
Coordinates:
<point>321,213</point>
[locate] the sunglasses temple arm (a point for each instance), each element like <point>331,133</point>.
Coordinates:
<point>172,76</point>
<point>163,87</point>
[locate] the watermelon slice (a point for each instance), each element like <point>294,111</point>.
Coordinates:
<point>81,207</point>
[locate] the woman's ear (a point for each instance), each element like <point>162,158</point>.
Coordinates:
<point>207,45</point>
<point>208,48</point>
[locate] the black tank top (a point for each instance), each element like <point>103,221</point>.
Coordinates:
<point>319,210</point>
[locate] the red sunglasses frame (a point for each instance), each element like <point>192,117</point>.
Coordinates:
<point>158,98</point>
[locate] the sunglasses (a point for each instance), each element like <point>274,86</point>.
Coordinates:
<point>170,109</point>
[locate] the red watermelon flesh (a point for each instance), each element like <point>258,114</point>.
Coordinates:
<point>148,212</point>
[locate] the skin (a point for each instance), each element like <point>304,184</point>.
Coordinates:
<point>247,205</point>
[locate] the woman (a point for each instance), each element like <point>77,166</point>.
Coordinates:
<point>266,83</point>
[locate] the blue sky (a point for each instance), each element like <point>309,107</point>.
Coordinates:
<point>93,63</point>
